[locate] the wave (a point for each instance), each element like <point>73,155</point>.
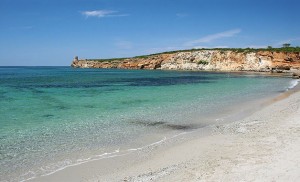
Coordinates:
<point>293,84</point>
<point>116,153</point>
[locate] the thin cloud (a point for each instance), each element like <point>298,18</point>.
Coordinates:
<point>210,38</point>
<point>181,15</point>
<point>27,27</point>
<point>124,44</point>
<point>288,41</point>
<point>21,28</point>
<point>102,13</point>
<point>256,46</point>
<point>283,42</point>
<point>161,49</point>
<point>207,47</point>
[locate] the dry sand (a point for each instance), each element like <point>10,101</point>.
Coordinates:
<point>262,147</point>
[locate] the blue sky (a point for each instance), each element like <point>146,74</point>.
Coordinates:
<point>52,32</point>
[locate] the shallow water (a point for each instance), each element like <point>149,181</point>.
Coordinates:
<point>52,117</point>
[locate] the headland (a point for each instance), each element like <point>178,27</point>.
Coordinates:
<point>279,60</point>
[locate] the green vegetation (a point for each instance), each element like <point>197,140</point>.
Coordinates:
<point>107,60</point>
<point>285,48</point>
<point>202,62</point>
<point>122,59</point>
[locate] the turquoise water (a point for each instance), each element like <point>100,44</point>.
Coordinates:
<point>53,117</point>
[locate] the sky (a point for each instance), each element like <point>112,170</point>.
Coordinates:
<point>53,32</point>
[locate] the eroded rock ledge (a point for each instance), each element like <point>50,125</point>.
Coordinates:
<point>217,60</point>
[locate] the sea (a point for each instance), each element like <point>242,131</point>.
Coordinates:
<point>55,117</point>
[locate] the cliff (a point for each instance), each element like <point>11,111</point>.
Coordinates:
<point>218,60</point>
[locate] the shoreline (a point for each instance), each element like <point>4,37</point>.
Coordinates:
<point>159,162</point>
<point>183,114</point>
<point>257,60</point>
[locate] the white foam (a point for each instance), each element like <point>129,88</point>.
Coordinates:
<point>293,84</point>
<point>99,157</point>
<point>33,175</point>
<point>116,153</point>
<point>152,144</point>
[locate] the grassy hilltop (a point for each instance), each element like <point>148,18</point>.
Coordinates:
<point>239,50</point>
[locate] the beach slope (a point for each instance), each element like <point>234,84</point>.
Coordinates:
<point>264,146</point>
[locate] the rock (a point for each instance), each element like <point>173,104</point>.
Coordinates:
<point>296,73</point>
<point>216,60</point>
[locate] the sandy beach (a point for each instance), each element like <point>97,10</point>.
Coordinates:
<point>142,91</point>
<point>264,146</point>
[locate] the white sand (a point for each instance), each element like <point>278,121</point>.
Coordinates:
<point>262,147</point>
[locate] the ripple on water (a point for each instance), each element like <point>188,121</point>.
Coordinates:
<point>64,113</point>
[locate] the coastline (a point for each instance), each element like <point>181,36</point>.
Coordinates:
<point>280,60</point>
<point>264,143</point>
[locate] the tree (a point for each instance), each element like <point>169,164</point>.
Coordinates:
<point>286,45</point>
<point>270,47</point>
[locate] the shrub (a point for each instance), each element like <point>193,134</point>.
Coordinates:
<point>202,62</point>
<point>286,48</point>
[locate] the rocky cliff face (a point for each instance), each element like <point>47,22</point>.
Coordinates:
<point>262,61</point>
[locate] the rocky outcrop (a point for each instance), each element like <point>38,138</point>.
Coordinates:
<point>261,61</point>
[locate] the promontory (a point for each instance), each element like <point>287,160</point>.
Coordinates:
<point>231,59</point>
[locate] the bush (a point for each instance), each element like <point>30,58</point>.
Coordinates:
<point>286,48</point>
<point>203,62</point>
